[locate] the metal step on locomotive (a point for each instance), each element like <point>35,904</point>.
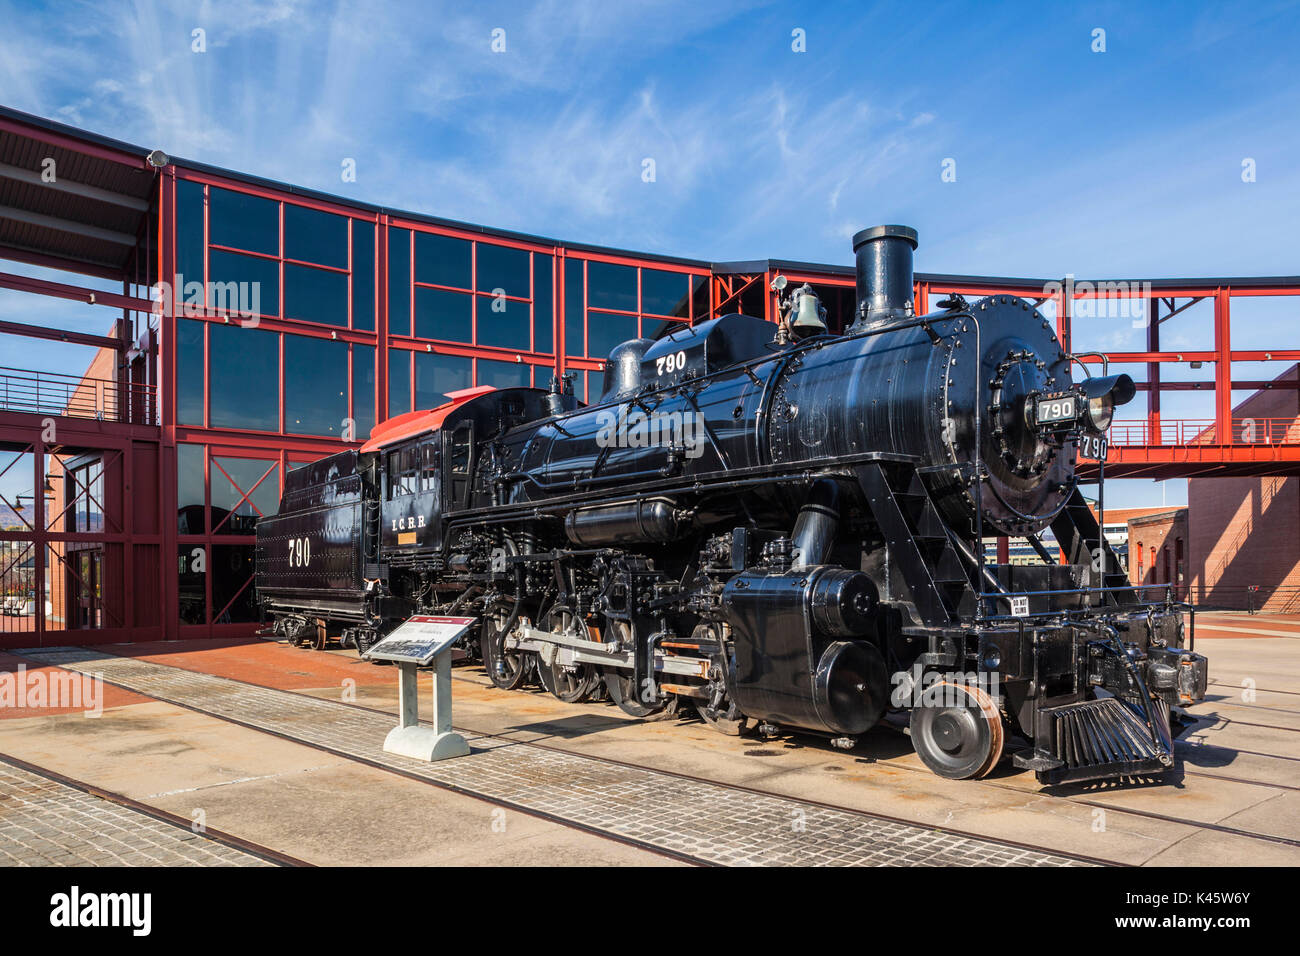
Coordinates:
<point>774,525</point>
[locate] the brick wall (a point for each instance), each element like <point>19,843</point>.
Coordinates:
<point>1245,532</point>
<point>1158,550</point>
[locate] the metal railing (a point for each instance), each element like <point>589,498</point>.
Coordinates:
<point>76,396</point>
<point>1203,431</point>
<point>1253,598</point>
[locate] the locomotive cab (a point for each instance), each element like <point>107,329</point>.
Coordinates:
<point>412,492</point>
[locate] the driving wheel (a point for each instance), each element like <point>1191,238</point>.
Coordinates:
<point>569,682</point>
<point>506,668</point>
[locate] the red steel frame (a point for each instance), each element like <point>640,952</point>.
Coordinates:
<point>1139,449</point>
<point>285,449</point>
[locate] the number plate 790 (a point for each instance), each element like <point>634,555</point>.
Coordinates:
<point>1050,411</point>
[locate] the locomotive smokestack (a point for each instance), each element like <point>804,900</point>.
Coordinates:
<point>884,274</point>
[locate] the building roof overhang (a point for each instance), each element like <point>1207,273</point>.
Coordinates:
<point>71,200</point>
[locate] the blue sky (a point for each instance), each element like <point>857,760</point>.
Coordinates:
<point>1122,163</point>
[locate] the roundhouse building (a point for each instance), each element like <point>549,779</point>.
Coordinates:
<point>231,328</point>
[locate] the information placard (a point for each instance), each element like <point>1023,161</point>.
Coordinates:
<point>420,639</point>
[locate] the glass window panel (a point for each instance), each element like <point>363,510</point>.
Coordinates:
<point>315,295</point>
<point>233,597</point>
<point>399,281</point>
<point>236,503</point>
<point>189,489</point>
<point>189,372</point>
<point>243,222</point>
<point>436,375</point>
<point>652,328</point>
<point>500,267</point>
<point>315,386</point>
<point>85,489</point>
<point>430,459</point>
<point>504,374</point>
<point>403,471</point>
<point>543,302</point>
<point>363,275</point>
<point>399,382</point>
<point>503,323</point>
<point>607,330</point>
<point>440,314</point>
<point>315,236</point>
<point>442,260</point>
<point>611,286</point>
<point>752,299</point>
<point>363,389</point>
<point>574,332</point>
<point>256,284</point>
<point>699,298</point>
<point>189,233</point>
<point>245,371</point>
<point>191,566</point>
<point>93,479</point>
<point>665,293</point>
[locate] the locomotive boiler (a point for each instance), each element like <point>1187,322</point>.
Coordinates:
<point>777,527</point>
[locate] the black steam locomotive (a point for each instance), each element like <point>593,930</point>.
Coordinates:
<point>775,525</point>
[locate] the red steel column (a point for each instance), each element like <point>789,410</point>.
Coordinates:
<point>1153,372</point>
<point>560,297</point>
<point>1063,307</point>
<point>39,540</point>
<point>381,322</point>
<point>169,582</point>
<point>1222,367</point>
<point>128,552</point>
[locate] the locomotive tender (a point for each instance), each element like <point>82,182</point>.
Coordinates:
<point>776,525</point>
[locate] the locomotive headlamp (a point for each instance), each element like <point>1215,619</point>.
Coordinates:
<point>1103,396</point>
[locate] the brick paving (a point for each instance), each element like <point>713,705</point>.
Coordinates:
<point>710,822</point>
<point>47,823</point>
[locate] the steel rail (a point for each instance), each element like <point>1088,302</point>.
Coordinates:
<point>216,836</point>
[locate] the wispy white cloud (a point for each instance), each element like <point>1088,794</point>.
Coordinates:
<point>757,151</point>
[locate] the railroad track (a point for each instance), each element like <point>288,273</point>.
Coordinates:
<point>513,741</point>
<point>1109,808</point>
<point>41,806</point>
<point>1184,743</point>
<point>687,818</point>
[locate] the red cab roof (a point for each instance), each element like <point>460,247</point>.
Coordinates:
<point>420,421</point>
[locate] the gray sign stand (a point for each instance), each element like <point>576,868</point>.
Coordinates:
<point>421,640</point>
<point>408,738</point>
